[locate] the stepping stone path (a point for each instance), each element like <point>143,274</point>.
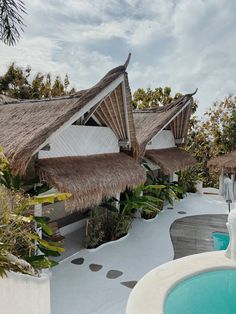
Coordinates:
<point>170,208</point>
<point>78,261</point>
<point>129,284</point>
<point>113,274</point>
<point>182,212</point>
<point>95,267</point>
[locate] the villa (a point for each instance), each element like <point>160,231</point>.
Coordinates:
<point>83,144</point>
<point>92,145</point>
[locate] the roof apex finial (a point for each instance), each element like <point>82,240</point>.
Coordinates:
<point>194,92</point>
<point>127,61</point>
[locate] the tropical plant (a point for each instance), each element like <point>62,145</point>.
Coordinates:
<point>106,225</point>
<point>20,242</point>
<point>143,198</point>
<point>31,187</point>
<point>170,190</point>
<point>112,219</point>
<point>22,249</point>
<point>187,179</point>
<point>11,21</point>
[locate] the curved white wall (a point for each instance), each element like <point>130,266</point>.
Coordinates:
<point>164,139</point>
<point>78,140</point>
<point>24,294</point>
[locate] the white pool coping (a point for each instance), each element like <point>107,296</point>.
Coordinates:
<point>148,296</point>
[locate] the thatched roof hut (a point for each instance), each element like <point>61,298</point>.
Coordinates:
<point>28,126</point>
<point>170,119</point>
<point>90,179</point>
<point>226,162</point>
<point>31,130</point>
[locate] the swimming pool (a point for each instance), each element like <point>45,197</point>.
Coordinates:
<point>221,240</point>
<point>211,292</point>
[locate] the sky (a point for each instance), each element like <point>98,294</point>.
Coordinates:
<point>184,44</point>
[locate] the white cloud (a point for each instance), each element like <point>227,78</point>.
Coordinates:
<point>183,44</point>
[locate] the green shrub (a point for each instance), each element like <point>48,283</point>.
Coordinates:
<point>106,225</point>
<point>187,179</point>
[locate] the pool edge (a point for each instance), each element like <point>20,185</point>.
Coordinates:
<point>161,280</point>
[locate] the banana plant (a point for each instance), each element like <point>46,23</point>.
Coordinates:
<point>139,198</point>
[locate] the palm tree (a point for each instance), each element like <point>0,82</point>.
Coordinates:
<point>11,21</point>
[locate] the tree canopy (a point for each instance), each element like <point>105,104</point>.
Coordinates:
<point>213,135</point>
<point>16,82</point>
<point>152,98</point>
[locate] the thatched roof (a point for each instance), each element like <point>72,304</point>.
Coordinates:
<point>91,178</point>
<point>26,125</point>
<point>226,162</point>
<point>170,159</point>
<point>149,122</point>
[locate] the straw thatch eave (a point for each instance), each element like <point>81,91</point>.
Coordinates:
<point>149,122</point>
<point>90,179</point>
<point>170,159</point>
<point>26,125</point>
<point>226,162</point>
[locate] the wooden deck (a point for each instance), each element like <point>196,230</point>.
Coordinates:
<point>192,235</point>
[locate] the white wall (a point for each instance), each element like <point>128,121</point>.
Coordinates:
<point>24,294</point>
<point>164,139</point>
<point>78,140</point>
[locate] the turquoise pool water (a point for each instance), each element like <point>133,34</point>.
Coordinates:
<point>211,292</point>
<point>221,240</point>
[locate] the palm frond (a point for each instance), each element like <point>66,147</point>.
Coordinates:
<point>11,20</point>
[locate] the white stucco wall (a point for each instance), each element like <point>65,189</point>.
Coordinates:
<point>24,294</point>
<point>79,140</point>
<point>164,139</point>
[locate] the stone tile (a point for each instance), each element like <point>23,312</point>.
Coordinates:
<point>129,284</point>
<point>113,274</point>
<point>78,261</point>
<point>95,267</point>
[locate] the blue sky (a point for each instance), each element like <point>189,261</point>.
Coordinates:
<point>179,43</point>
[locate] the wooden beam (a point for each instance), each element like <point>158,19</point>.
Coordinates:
<point>115,129</point>
<point>119,112</point>
<point>126,112</point>
<point>118,123</point>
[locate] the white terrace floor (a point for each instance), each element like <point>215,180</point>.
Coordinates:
<point>76,289</point>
